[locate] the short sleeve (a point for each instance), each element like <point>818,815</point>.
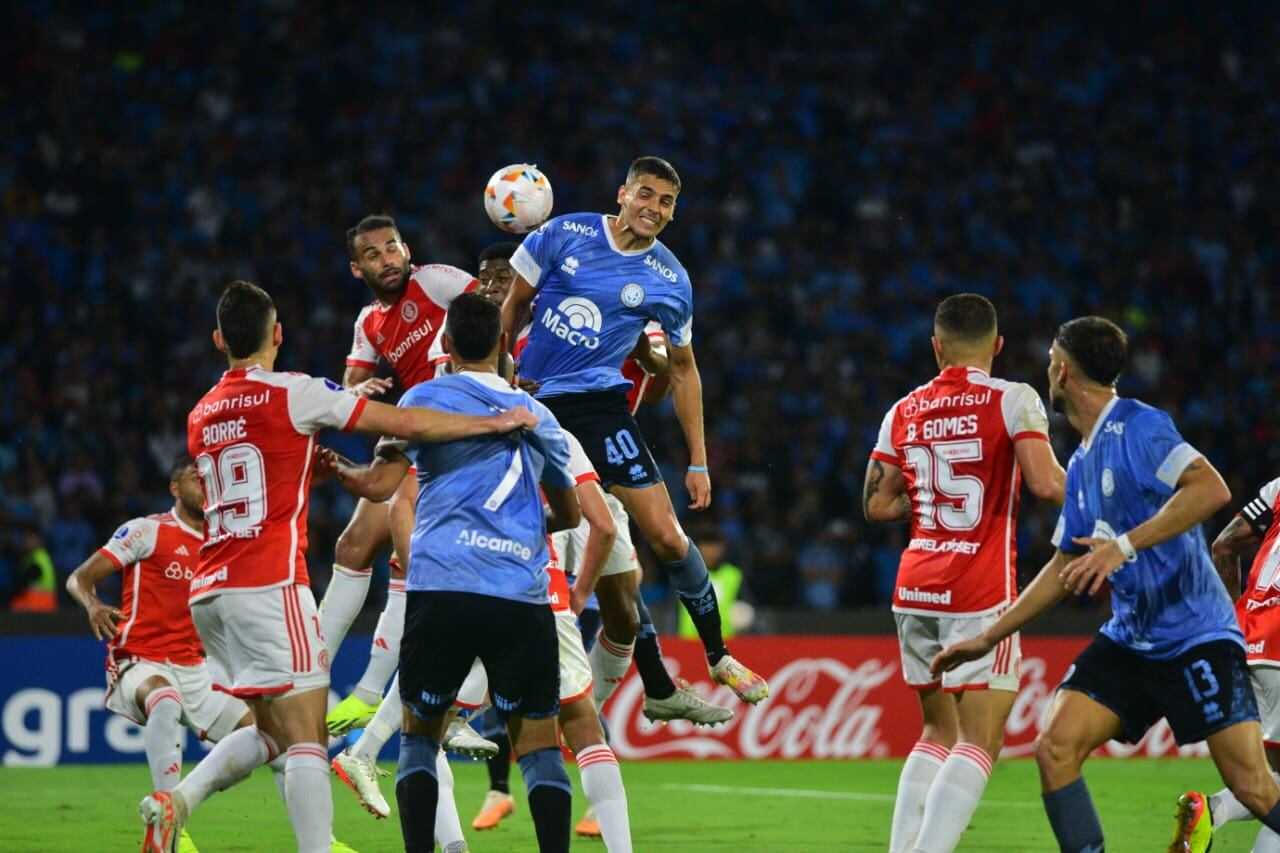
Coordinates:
<point>133,541</point>
<point>884,449</point>
<point>1071,522</point>
<point>316,404</point>
<point>1024,414</point>
<point>1158,452</point>
<point>537,255</point>
<point>436,355</point>
<point>362,352</point>
<point>442,283</point>
<point>676,316</point>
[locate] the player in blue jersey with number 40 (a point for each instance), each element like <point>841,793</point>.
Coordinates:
<point>589,283</point>
<point>1136,495</point>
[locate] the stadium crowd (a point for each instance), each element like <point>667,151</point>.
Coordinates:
<point>841,173</point>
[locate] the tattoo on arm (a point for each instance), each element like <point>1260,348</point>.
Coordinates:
<point>875,474</point>
<point>904,508</point>
<point>1226,553</point>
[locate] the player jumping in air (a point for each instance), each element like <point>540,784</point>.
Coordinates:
<point>1197,817</point>
<point>478,582</point>
<point>399,326</point>
<point>253,440</point>
<point>951,459</point>
<point>1135,497</point>
<point>598,280</point>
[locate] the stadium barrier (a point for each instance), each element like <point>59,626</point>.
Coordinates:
<point>833,697</point>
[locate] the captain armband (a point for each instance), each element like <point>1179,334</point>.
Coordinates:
<point>1258,515</point>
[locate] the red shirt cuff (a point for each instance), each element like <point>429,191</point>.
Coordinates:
<point>112,557</point>
<point>361,402</point>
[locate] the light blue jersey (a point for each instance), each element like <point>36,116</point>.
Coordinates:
<point>593,302</point>
<point>1170,599</point>
<point>480,526</point>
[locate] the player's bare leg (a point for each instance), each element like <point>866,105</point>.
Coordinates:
<point>1240,758</point>
<point>598,769</point>
<point>956,790</point>
<point>940,732</point>
<point>651,509</point>
<point>1077,726</point>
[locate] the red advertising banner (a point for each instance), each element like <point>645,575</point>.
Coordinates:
<point>835,697</point>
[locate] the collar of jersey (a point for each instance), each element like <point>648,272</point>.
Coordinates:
<point>489,380</point>
<point>1097,425</point>
<point>240,371</point>
<point>184,526</point>
<point>608,235</point>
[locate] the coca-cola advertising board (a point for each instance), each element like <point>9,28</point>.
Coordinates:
<point>836,697</point>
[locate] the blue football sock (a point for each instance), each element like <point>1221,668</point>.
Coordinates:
<point>417,792</point>
<point>550,797</point>
<point>1074,819</point>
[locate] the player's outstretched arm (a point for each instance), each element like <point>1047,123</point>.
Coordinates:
<point>516,309</point>
<point>884,493</point>
<point>1199,493</point>
<point>422,424</point>
<point>1045,478</point>
<point>686,388</point>
<point>102,617</point>
<point>563,511</point>
<point>601,534</point>
<point>1234,539</point>
<point>1042,594</point>
<point>376,481</point>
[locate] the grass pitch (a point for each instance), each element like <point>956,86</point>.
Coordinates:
<point>684,805</point>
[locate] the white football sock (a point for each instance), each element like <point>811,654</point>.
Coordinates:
<point>383,726</point>
<point>278,765</point>
<point>602,783</point>
<point>610,661</point>
<point>1225,808</point>
<point>474,688</point>
<point>160,737</point>
<point>448,827</point>
<point>1267,841</point>
<point>341,605</point>
<point>309,796</point>
<point>922,765</point>
<point>384,656</point>
<point>233,758</point>
<point>953,797</point>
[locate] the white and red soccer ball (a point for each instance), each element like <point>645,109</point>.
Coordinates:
<point>518,198</point>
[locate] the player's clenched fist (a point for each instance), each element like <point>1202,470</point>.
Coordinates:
<point>513,419</point>
<point>698,483</point>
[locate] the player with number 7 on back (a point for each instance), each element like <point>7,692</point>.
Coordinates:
<point>950,460</point>
<point>253,438</point>
<point>1135,498</point>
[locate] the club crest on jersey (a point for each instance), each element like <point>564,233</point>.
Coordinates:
<point>632,295</point>
<point>1108,482</point>
<point>409,311</point>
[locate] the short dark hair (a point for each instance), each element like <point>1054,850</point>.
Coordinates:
<point>966,317</point>
<point>499,251</point>
<point>474,325</point>
<point>245,316</point>
<point>1097,345</point>
<point>180,463</point>
<point>654,166</point>
<point>373,222</point>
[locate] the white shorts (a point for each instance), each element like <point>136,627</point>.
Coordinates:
<point>571,544</point>
<point>1266,686</point>
<point>208,713</point>
<point>922,637</point>
<point>575,666</point>
<point>268,640</point>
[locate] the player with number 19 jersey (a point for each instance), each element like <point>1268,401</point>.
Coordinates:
<point>954,441</point>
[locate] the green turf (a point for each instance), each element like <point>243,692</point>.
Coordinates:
<point>708,805</point>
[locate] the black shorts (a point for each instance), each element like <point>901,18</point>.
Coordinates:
<point>444,632</point>
<point>610,436</point>
<point>1203,690</point>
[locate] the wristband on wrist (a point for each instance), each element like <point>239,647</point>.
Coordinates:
<point>701,469</point>
<point>1126,548</point>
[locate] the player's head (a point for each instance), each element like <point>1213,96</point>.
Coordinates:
<point>495,271</point>
<point>378,255</point>
<point>1088,353</point>
<point>185,485</point>
<point>247,322</point>
<point>965,331</point>
<point>473,330</point>
<point>647,201</point>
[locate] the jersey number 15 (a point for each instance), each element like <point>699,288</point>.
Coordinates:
<point>935,478</point>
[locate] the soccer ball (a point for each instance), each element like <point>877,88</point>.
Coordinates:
<point>518,198</point>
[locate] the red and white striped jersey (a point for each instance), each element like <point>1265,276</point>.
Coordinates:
<point>403,332</point>
<point>253,438</point>
<point>582,471</point>
<point>954,440</point>
<point>1258,607</point>
<point>157,555</point>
